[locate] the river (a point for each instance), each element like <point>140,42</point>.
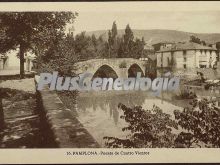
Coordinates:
<point>99,114</point>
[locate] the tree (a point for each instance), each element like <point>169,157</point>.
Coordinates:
<point>85,46</point>
<point>138,48</point>
<point>114,30</point>
<point>197,40</point>
<point>148,129</point>
<point>121,49</point>
<point>128,40</point>
<point>130,47</point>
<point>113,42</point>
<point>94,41</point>
<point>62,56</point>
<point>200,124</point>
<point>25,29</point>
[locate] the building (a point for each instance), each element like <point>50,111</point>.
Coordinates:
<point>217,46</point>
<point>162,45</point>
<point>148,51</point>
<point>186,55</point>
<point>10,61</point>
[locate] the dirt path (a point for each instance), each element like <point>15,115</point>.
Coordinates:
<point>23,128</point>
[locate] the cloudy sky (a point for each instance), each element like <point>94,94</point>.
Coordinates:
<point>199,17</point>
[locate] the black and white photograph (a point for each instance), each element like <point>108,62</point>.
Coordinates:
<point>110,75</point>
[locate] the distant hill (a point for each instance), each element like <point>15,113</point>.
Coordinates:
<point>158,35</point>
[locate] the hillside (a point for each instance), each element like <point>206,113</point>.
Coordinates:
<point>155,36</point>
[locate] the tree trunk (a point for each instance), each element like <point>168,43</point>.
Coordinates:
<point>21,61</point>
<point>2,122</point>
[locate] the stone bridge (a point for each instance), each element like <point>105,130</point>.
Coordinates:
<point>114,67</point>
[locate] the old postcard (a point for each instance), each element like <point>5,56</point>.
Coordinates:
<point>109,82</point>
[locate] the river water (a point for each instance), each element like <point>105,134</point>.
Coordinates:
<point>99,112</point>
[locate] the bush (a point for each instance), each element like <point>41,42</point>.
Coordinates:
<point>148,129</point>
<point>200,124</point>
<point>123,65</point>
<point>186,94</point>
<point>200,127</point>
<point>60,57</point>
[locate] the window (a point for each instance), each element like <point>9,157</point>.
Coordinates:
<point>184,66</point>
<point>172,59</point>
<point>168,61</point>
<point>202,66</point>
<point>184,56</point>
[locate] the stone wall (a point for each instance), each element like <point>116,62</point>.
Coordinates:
<point>190,74</point>
<point>93,65</point>
<point>67,131</point>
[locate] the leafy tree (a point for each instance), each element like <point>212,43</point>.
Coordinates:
<point>109,43</point>
<point>121,50</point>
<point>130,47</point>
<point>138,48</point>
<point>64,56</point>
<point>148,128</point>
<point>82,44</point>
<point>128,40</point>
<point>114,30</point>
<point>197,40</point>
<point>200,124</point>
<point>25,29</point>
<point>113,41</point>
<point>94,41</point>
<point>102,48</point>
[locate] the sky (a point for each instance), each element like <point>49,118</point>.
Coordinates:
<point>190,21</point>
<point>190,16</point>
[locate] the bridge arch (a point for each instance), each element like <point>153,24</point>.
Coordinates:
<point>105,71</point>
<point>133,69</point>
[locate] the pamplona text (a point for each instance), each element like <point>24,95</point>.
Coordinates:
<point>86,82</point>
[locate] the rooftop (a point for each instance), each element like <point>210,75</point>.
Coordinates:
<point>186,46</point>
<point>164,42</point>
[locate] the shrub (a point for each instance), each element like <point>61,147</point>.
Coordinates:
<point>186,94</point>
<point>60,57</point>
<point>200,124</point>
<point>148,128</point>
<point>123,65</point>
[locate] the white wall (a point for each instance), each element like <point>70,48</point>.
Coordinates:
<point>159,56</point>
<point>13,60</point>
<point>178,56</point>
<point>194,58</point>
<point>190,59</point>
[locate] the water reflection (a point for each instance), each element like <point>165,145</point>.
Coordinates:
<point>100,115</point>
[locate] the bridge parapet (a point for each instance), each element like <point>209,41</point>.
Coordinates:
<point>119,65</point>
